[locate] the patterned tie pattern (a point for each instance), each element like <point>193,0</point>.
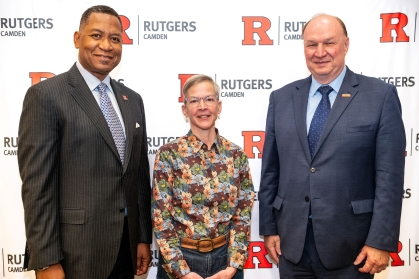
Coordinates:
<point>319,118</point>
<point>113,121</point>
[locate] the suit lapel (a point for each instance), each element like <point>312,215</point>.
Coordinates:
<point>84,97</point>
<point>339,106</point>
<point>300,99</point>
<point>129,124</point>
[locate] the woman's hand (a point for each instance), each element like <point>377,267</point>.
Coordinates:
<point>227,273</point>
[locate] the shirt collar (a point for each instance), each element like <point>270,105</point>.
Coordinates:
<point>335,84</point>
<point>91,80</point>
<point>197,145</point>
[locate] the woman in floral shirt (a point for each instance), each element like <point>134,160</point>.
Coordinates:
<point>202,194</point>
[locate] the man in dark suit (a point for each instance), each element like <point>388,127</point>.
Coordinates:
<point>84,166</point>
<point>333,165</point>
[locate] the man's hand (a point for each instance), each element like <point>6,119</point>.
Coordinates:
<point>55,271</point>
<point>376,260</point>
<point>143,258</point>
<point>191,275</point>
<point>227,273</point>
<point>272,244</point>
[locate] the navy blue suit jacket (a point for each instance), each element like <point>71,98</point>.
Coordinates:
<point>354,182</point>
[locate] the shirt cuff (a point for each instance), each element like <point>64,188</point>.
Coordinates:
<point>176,269</point>
<point>237,260</point>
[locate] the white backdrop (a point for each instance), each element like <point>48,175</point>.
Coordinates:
<point>228,40</point>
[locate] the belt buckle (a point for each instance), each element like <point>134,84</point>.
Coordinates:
<point>207,250</point>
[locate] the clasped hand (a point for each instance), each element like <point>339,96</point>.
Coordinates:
<point>227,273</point>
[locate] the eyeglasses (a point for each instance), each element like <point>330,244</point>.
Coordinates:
<point>210,101</point>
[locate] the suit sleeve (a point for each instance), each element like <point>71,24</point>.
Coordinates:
<point>144,192</point>
<point>38,158</point>
<point>389,175</point>
<point>269,176</point>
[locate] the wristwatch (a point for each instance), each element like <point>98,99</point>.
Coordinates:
<point>42,269</point>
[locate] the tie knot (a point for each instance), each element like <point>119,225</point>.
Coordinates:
<point>325,90</point>
<point>101,87</point>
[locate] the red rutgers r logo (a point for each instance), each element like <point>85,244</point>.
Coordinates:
<point>125,25</point>
<point>395,258</point>
<point>253,139</point>
<point>257,250</point>
<point>250,29</point>
<point>183,78</point>
<point>38,76</point>
<point>397,27</point>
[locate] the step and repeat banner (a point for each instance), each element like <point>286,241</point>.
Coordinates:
<point>249,47</point>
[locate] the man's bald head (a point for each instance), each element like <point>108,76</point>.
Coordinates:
<point>326,15</point>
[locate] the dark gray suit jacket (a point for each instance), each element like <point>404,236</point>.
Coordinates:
<point>354,182</point>
<point>73,182</point>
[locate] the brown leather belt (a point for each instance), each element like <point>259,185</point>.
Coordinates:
<point>205,245</point>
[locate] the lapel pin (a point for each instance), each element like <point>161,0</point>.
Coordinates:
<point>346,95</point>
<point>124,97</point>
<point>137,125</point>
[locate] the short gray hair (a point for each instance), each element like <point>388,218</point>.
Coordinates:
<point>193,80</point>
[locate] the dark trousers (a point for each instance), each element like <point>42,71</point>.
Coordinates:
<point>310,266</point>
<point>205,264</point>
<point>123,267</point>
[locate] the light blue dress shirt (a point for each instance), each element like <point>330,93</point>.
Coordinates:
<point>315,96</point>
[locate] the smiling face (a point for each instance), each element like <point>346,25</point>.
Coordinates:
<point>203,116</point>
<point>325,47</point>
<point>100,44</point>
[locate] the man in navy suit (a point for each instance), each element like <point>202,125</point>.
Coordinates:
<point>331,191</point>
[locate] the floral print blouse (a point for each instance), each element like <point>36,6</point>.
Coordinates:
<point>201,192</point>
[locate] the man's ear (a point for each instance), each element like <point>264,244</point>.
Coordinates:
<point>76,39</point>
<point>346,44</point>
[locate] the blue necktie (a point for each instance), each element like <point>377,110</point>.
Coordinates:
<point>113,121</point>
<point>319,118</point>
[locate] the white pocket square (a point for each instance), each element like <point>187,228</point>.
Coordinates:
<point>137,125</point>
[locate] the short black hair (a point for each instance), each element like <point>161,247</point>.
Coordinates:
<point>97,9</point>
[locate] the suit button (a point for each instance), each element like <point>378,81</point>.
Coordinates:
<point>307,199</point>
<point>123,177</point>
<point>313,170</point>
<point>122,209</point>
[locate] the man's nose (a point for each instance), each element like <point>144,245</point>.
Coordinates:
<point>320,50</point>
<point>105,44</point>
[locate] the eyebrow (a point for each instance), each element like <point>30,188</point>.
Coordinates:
<point>319,41</point>
<point>96,30</point>
<point>100,31</point>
